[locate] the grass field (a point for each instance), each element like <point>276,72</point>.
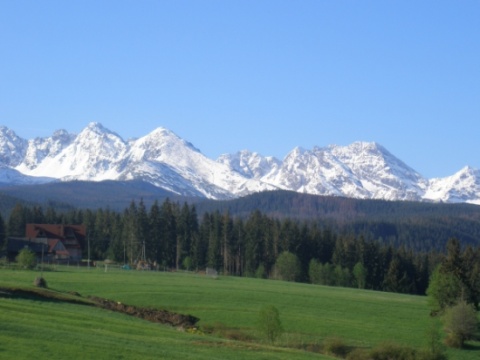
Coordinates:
<point>309,314</point>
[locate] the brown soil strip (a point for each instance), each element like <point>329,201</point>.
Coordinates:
<point>152,315</point>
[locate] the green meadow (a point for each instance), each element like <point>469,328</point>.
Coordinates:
<point>228,306</point>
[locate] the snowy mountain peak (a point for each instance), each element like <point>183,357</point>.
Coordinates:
<point>469,170</point>
<point>97,130</point>
<point>12,147</point>
<point>361,170</point>
<point>297,151</point>
<point>159,145</point>
<point>96,127</point>
<point>61,133</point>
<point>250,164</point>
<point>165,136</point>
<point>463,186</point>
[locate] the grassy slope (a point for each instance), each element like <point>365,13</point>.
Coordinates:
<point>309,314</point>
<point>57,331</point>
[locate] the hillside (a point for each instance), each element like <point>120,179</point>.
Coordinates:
<point>227,308</point>
<point>415,225</point>
<point>115,195</point>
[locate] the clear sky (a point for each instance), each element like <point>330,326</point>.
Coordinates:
<point>263,75</point>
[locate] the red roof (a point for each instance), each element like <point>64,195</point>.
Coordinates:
<point>53,231</point>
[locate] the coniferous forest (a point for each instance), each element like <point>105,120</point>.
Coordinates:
<point>174,236</point>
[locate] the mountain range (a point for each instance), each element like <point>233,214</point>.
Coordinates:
<point>361,170</point>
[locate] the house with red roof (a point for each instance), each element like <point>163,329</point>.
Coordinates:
<point>65,242</point>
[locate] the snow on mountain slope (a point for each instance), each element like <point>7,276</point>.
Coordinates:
<point>315,172</point>
<point>208,177</point>
<point>11,176</point>
<point>250,164</point>
<point>383,175</point>
<point>90,156</point>
<point>360,170</point>
<point>12,147</point>
<point>464,186</point>
<point>40,148</point>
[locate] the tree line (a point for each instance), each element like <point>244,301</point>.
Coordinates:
<point>173,236</point>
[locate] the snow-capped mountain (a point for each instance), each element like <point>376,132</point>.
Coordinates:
<point>360,170</point>
<point>96,154</point>
<point>250,164</point>
<point>464,186</point>
<point>12,147</point>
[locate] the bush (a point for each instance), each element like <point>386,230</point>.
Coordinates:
<point>288,266</point>
<point>26,258</point>
<point>392,351</point>
<point>426,355</point>
<point>461,324</point>
<point>359,354</point>
<point>221,330</point>
<point>336,347</point>
<point>40,282</point>
<point>260,272</point>
<point>269,323</point>
<point>443,290</point>
<point>435,349</point>
<point>187,263</point>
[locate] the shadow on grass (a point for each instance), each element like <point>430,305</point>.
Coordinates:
<point>42,295</point>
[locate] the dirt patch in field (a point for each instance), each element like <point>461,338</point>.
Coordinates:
<point>154,315</point>
<point>42,295</point>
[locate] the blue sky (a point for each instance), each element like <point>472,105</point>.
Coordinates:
<point>263,75</point>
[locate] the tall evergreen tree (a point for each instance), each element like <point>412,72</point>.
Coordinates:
<point>154,244</point>
<point>227,243</point>
<point>129,232</point>
<point>17,221</point>
<point>3,233</point>
<point>38,217</point>
<point>215,259</point>
<point>199,249</point>
<point>187,226</point>
<point>51,216</point>
<point>117,249</point>
<point>238,234</point>
<point>169,234</point>
<point>142,229</point>
<point>254,242</point>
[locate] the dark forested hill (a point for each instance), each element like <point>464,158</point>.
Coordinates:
<point>115,195</point>
<point>415,225</point>
<point>419,226</point>
<point>303,206</point>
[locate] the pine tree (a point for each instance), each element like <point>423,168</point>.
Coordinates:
<point>169,234</point>
<point>200,244</point>
<point>17,221</point>
<point>3,233</point>
<point>117,249</point>
<point>142,229</point>
<point>129,232</point>
<point>227,229</point>
<point>214,242</point>
<point>155,244</point>
<point>254,242</point>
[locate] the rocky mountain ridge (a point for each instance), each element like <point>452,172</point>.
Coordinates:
<point>360,170</point>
